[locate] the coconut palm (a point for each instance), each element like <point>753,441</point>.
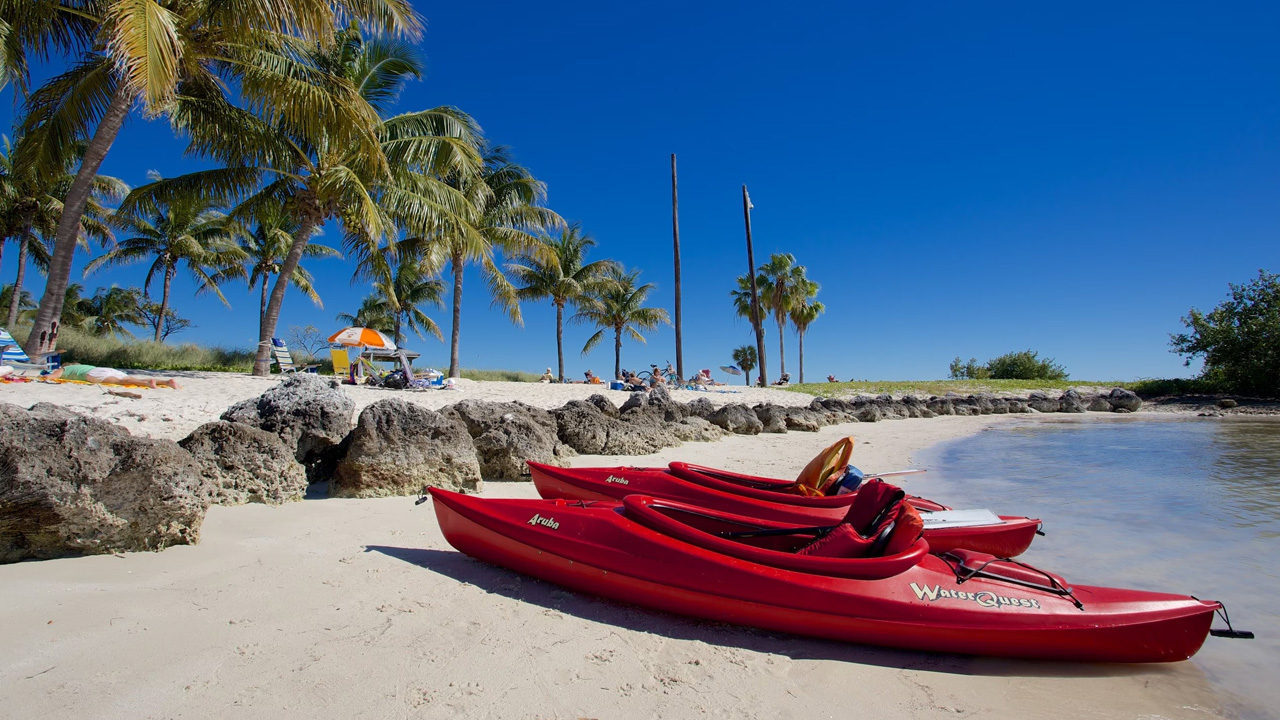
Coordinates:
<point>374,313</point>
<point>188,231</point>
<point>265,247</point>
<point>619,306</point>
<point>405,279</point>
<point>318,174</point>
<point>745,358</point>
<point>507,215</point>
<point>803,312</point>
<point>31,203</point>
<point>783,277</point>
<point>175,57</point>
<point>110,309</point>
<point>563,276</point>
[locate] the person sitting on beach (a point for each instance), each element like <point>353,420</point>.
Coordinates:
<point>591,378</point>
<point>635,384</point>
<point>109,376</point>
<point>831,378</point>
<point>784,380</point>
<point>547,377</point>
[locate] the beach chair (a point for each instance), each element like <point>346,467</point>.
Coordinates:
<point>341,362</point>
<point>11,354</point>
<point>280,353</point>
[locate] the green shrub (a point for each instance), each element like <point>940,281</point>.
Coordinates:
<point>1239,339</point>
<point>1025,365</point>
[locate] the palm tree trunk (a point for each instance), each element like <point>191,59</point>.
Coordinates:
<point>17,283</point>
<point>800,335</point>
<point>44,331</point>
<point>262,304</point>
<point>782,356</point>
<point>396,331</point>
<point>310,217</point>
<point>560,340</point>
<point>458,267</point>
<point>164,302</point>
<point>617,352</point>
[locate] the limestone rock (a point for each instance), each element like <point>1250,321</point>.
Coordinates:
<point>311,415</point>
<point>1122,399</point>
<point>773,418</point>
<point>1043,403</point>
<point>1098,403</point>
<point>804,419</point>
<point>244,464</point>
<point>398,447</point>
<point>701,407</point>
<point>695,429</point>
<point>1071,402</point>
<point>582,426</point>
<point>604,405</point>
<point>1227,403</point>
<point>738,419</point>
<point>73,485</point>
<point>507,435</point>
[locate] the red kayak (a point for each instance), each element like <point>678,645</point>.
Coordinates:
<point>885,591</point>
<point>1004,536</point>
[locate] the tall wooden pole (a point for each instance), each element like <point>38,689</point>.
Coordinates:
<point>675,235</point>
<point>755,293</point>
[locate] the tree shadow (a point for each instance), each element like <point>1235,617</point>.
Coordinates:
<point>516,586</point>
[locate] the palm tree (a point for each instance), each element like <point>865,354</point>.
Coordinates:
<point>32,201</point>
<point>565,277</point>
<point>171,57</point>
<point>265,248</point>
<point>112,308</point>
<point>321,173</point>
<point>620,306</point>
<point>745,358</point>
<point>404,279</point>
<point>188,230</point>
<point>803,312</point>
<point>373,314</point>
<point>784,276</point>
<point>507,212</point>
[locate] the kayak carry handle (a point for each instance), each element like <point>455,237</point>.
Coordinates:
<point>422,497</point>
<point>1230,632</point>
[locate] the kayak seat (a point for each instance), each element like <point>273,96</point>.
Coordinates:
<point>701,527</point>
<point>873,502</point>
<point>897,531</point>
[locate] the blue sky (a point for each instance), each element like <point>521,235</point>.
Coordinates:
<point>962,179</point>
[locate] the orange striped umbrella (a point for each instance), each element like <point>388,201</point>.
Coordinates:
<point>362,337</point>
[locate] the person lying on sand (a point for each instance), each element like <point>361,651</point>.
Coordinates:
<point>108,376</point>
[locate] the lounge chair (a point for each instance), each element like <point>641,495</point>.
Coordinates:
<point>11,354</point>
<point>280,353</point>
<point>341,362</point>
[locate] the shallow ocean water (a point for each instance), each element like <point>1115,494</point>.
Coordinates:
<point>1186,505</point>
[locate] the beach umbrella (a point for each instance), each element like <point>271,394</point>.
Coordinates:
<point>362,337</point>
<point>732,370</point>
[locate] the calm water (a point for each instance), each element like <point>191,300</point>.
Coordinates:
<point>1188,506</point>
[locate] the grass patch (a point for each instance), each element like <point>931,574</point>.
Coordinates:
<point>500,375</point>
<point>80,347</point>
<point>77,346</point>
<point>926,388</point>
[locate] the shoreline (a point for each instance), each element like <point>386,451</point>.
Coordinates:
<point>278,609</point>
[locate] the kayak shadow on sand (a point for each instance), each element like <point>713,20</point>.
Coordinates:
<point>516,586</point>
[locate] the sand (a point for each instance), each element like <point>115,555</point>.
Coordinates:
<point>360,609</point>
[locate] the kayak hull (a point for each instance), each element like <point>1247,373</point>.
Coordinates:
<point>1010,538</point>
<point>597,549</point>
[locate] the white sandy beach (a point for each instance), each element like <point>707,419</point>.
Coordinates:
<point>360,609</point>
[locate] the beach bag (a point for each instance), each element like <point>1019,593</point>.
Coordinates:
<point>395,380</point>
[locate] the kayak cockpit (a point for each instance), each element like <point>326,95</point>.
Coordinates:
<point>895,545</point>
